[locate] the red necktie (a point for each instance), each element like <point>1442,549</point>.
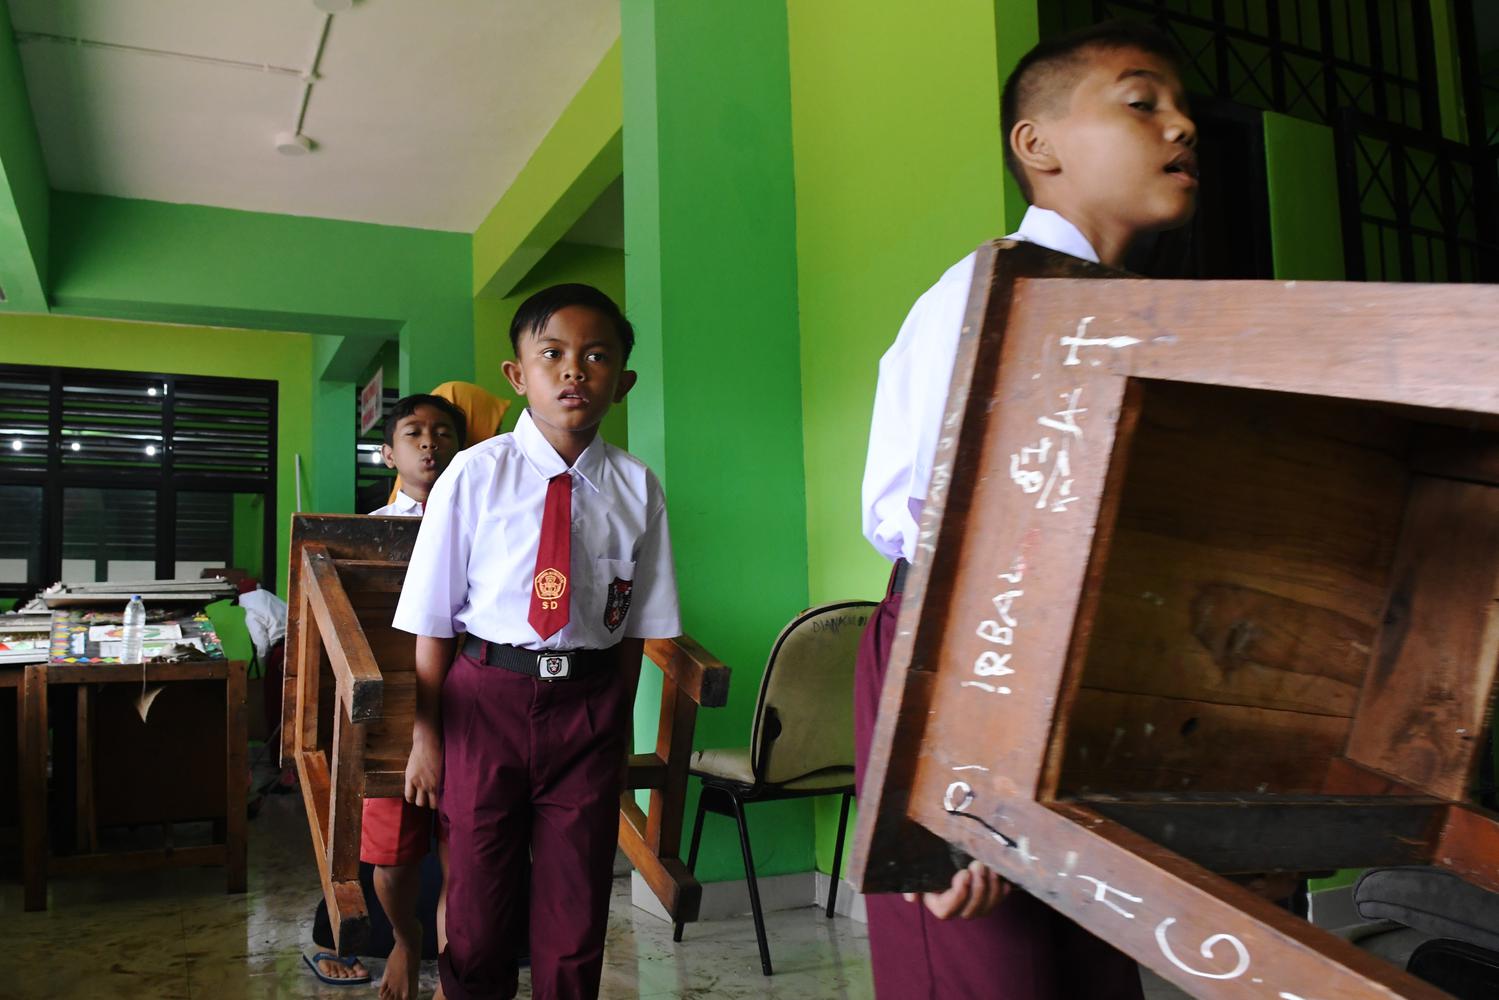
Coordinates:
<point>549,597</point>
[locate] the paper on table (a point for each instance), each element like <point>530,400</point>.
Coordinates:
<point>147,695</point>
<point>116,633</point>
<point>150,649</point>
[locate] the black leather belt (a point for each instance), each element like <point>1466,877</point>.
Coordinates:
<point>546,664</point>
<point>898,581</point>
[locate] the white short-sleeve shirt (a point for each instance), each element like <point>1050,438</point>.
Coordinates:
<point>401,506</point>
<point>475,556</point>
<point>911,395</point>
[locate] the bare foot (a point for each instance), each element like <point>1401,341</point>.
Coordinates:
<point>338,970</point>
<point>402,970</point>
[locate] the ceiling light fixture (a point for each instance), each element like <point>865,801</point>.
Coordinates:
<point>150,449</point>
<point>76,446</point>
<point>151,391</point>
<point>293,144</point>
<point>15,445</point>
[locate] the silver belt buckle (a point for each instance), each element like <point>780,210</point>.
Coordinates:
<point>553,666</point>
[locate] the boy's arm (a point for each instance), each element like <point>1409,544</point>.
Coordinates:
<point>906,423</point>
<point>629,653</point>
<point>654,613</point>
<point>424,768</point>
<point>436,586</point>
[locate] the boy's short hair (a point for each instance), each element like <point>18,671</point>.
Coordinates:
<point>535,312</point>
<point>1045,76</point>
<point>406,406</point>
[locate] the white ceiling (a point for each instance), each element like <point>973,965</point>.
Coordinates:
<point>423,111</point>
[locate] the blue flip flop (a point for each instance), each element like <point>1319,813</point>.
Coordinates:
<point>328,956</point>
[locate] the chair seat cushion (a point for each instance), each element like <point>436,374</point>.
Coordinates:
<point>735,764</point>
<point>729,765</point>
<point>1432,900</point>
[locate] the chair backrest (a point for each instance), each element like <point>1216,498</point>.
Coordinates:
<point>804,719</point>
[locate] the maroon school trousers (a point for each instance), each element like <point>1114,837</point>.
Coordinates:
<point>531,780</point>
<point>1023,950</point>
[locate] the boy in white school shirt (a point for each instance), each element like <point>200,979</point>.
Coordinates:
<point>549,549</point>
<point>422,434</point>
<point>1100,140</point>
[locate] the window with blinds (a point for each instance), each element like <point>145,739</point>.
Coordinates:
<point>113,476</point>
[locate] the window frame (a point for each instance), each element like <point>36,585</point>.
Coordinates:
<point>165,480</point>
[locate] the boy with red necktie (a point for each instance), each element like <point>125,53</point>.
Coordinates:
<point>548,549</point>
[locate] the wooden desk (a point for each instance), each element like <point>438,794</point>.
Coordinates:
<point>32,683</point>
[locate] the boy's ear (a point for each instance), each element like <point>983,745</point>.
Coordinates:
<point>626,383</point>
<point>515,375</point>
<point>1031,147</point>
<point>389,455</point>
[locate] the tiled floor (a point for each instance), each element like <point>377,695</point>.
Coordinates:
<point>172,935</point>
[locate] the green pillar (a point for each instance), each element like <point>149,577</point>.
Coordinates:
<point>328,474</point>
<point>25,196</point>
<point>899,173</point>
<point>1306,227</point>
<point>710,276</point>
<point>437,348</point>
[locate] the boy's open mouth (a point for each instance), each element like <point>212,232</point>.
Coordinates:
<point>1184,166</point>
<point>571,397</point>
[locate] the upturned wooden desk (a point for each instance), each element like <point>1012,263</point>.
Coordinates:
<point>32,683</point>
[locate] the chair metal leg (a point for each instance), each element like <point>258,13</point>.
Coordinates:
<point>697,839</point>
<point>838,854</point>
<point>754,888</point>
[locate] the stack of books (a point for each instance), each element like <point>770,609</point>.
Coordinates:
<point>24,637</point>
<point>152,592</point>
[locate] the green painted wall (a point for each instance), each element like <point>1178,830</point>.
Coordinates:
<point>25,197</point>
<point>899,174</point>
<point>357,285</point>
<point>285,358</point>
<point>710,267</point>
<point>578,159</point>
<point>602,267</point>
<point>249,534</point>
<point>1301,170</point>
<point>220,267</point>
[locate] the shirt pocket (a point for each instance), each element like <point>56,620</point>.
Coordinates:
<point>615,579</point>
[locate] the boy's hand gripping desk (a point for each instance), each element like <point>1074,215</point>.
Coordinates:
<point>1207,588</point>
<point>350,694</point>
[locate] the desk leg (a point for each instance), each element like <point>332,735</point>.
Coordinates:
<point>237,788</point>
<point>88,827</point>
<point>31,706</point>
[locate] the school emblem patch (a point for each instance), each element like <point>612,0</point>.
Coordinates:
<point>618,604</point>
<point>551,584</point>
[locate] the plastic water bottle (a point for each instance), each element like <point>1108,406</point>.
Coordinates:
<point>134,630</point>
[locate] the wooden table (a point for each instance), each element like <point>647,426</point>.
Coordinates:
<point>32,683</point>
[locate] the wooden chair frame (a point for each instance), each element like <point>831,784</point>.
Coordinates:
<point>342,565</point>
<point>969,750</point>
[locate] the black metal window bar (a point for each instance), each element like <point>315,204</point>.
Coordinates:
<point>106,473</point>
<point>1307,58</point>
<point>1415,207</point>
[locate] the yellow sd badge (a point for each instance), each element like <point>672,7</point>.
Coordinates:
<point>551,584</point>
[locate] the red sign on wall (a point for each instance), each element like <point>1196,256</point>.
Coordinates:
<point>369,400</point>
